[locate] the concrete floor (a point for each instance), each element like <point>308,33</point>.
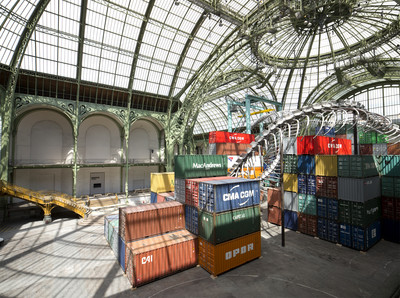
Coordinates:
<point>70,259</point>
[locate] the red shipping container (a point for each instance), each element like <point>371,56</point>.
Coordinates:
<point>192,189</point>
<point>366,149</point>
<point>148,220</point>
<point>393,149</point>
<point>274,197</point>
<point>275,215</point>
<point>321,188</point>
<point>307,224</point>
<point>228,148</point>
<point>388,207</point>
<point>331,187</point>
<point>230,137</point>
<point>165,196</point>
<point>320,145</point>
<point>156,257</point>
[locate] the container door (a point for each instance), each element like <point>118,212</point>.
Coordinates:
<point>97,181</point>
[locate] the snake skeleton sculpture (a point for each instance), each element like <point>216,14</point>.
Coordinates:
<point>272,142</point>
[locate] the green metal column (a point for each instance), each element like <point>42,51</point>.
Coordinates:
<point>248,122</point>
<point>126,136</point>
<point>75,169</point>
<point>229,117</point>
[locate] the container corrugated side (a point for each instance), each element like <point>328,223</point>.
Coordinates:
<point>274,215</point>
<point>363,214</point>
<point>153,197</point>
<point>192,219</point>
<point>326,165</point>
<point>165,196</point>
<point>156,257</point>
<point>230,137</point>
<point>291,201</point>
<point>388,165</point>
<point>308,204</point>
<point>290,182</point>
<point>180,190</point>
<point>346,237</point>
<point>379,149</point>
<point>162,182</point>
<point>197,166</point>
<point>224,195</point>
<point>345,211</point>
<point>227,149</point>
<point>359,189</point>
<point>290,145</point>
<point>365,238</point>
<point>389,207</point>
<point>391,230</point>
<point>216,228</point>
<point>290,220</point>
<point>274,197</point>
<point>307,224</point>
<point>153,219</point>
<point>306,164</point>
<point>217,259</point>
<point>290,163</point>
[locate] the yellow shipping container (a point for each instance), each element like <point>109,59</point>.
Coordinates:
<point>222,257</point>
<point>326,165</point>
<point>254,173</point>
<point>290,182</point>
<point>162,182</point>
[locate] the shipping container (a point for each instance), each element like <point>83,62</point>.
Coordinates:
<point>275,215</point>
<point>216,228</point>
<point>345,211</point>
<point>363,214</point>
<point>192,219</point>
<point>252,162</point>
<point>230,137</point>
<point>319,145</point>
<point>379,149</point>
<point>393,149</point>
<point>359,189</point>
<point>365,238</point>
<point>192,188</point>
<point>306,164</point>
<point>365,149</point>
<point>391,230</point>
<point>180,190</point>
<point>197,166</point>
<point>147,220</point>
<point>291,201</point>
<point>307,184</point>
<point>121,253</point>
<point>326,165</point>
<point>217,259</point>
<point>274,197</point>
<point>328,208</point>
<point>162,182</point>
<point>388,165</point>
<point>346,237</point>
<point>327,131</point>
<point>290,145</point>
<point>155,257</point>
<point>388,186</point>
<point>290,164</point>
<point>307,224</point>
<point>328,230</point>
<point>165,197</point>
<point>290,182</point>
<point>388,207</point>
<point>290,220</point>
<point>326,186</point>
<point>107,220</point>
<point>308,204</point>
<point>224,195</point>
<point>153,197</point>
<point>227,148</point>
<point>366,137</point>
<point>357,166</point>
<point>381,139</point>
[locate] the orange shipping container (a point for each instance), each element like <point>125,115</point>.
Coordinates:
<point>228,148</point>
<point>148,220</point>
<point>393,149</point>
<point>156,257</point>
<point>274,197</point>
<point>222,257</point>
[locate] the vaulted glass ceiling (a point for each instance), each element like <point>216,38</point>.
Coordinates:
<point>203,52</point>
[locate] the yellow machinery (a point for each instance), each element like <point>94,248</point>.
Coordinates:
<point>47,201</point>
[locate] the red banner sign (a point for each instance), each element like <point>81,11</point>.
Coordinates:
<point>230,137</point>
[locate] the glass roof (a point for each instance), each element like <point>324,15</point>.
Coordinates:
<point>203,53</point>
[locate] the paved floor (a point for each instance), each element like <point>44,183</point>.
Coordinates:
<point>68,259</point>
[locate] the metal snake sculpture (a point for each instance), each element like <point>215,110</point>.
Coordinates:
<point>287,124</point>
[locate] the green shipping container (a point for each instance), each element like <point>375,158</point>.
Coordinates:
<point>198,166</point>
<point>221,227</point>
<point>356,166</point>
<point>345,211</point>
<point>290,163</point>
<point>363,214</point>
<point>390,186</point>
<point>380,138</point>
<point>307,204</point>
<point>367,137</point>
<point>389,165</point>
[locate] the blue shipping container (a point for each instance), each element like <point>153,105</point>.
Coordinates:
<point>302,183</point>
<point>153,197</point>
<point>306,164</point>
<point>333,209</point>
<point>311,185</point>
<point>327,131</point>
<point>345,235</point>
<point>192,219</point>
<point>364,238</point>
<point>333,231</point>
<point>322,207</point>
<point>121,253</point>
<point>223,195</point>
<point>290,220</point>
<point>322,229</point>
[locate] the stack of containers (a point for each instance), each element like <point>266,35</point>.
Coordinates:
<point>389,168</point>
<point>162,187</point>
<point>359,201</point>
<point>111,228</point>
<point>372,143</point>
<point>228,223</point>
<point>154,242</point>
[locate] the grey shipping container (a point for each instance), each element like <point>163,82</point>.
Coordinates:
<point>359,189</point>
<point>291,201</point>
<point>180,190</point>
<point>379,149</point>
<point>290,145</point>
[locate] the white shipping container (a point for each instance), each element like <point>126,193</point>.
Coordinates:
<point>291,201</point>
<point>290,145</point>
<point>379,149</point>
